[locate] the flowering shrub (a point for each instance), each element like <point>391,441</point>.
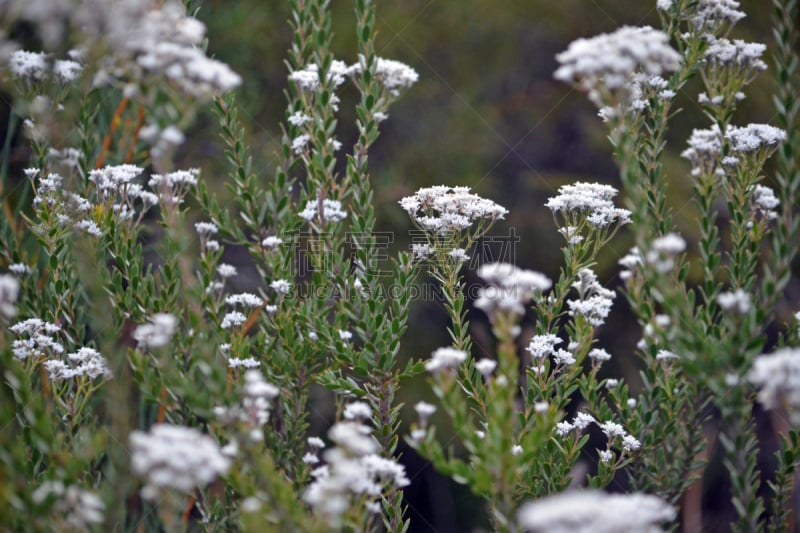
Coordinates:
<point>146,385</point>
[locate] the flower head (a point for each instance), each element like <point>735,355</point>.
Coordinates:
<point>605,65</point>
<point>175,457</point>
<point>593,511</point>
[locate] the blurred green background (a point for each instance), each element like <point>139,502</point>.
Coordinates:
<point>486,113</point>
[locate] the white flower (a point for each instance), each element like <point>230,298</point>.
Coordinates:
<point>764,202</point>
<point>594,511</point>
<point>331,210</point>
<point>605,456</point>
<point>249,362</point>
<point>425,410</point>
<point>737,54</point>
<point>707,15</point>
<point>316,443</point>
<point>357,411</point>
<point>85,362</point>
<point>582,420</point>
<point>516,450</point>
<point>422,251</point>
<point>281,286</point>
<point>630,444</point>
<point>753,137</point>
<point>299,143</point>
<point>345,335</point>
<point>442,209</point>
<point>234,319</point>
<point>737,301</point>
<point>272,243</point>
<point>663,251</point>
<point>564,428</point>
<point>308,77</point>
<point>175,457</point>
<point>666,355</point>
<point>78,508</point>
<point>599,355</point>
<point>224,270</point>
<point>594,201</point>
<point>543,346</point>
<point>705,148</point>
<point>9,292</point>
<point>607,63</point>
<point>445,358</point>
<point>459,255</point>
<point>486,366</point>
<point>612,429</point>
<point>392,74</point>
<point>298,119</point>
<point>594,301</point>
<point>777,375</point>
<point>158,332</point>
<point>511,288</point>
<point>245,299</point>
<point>205,229</point>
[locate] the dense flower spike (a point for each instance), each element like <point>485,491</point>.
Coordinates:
<point>604,66</point>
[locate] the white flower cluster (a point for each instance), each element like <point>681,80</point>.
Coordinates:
<point>543,346</point>
<point>511,288</point>
<point>79,509</point>
<point>445,359</point>
<point>331,211</point>
<point>630,264</point>
<point>158,332</point>
<point>753,137</point>
<point>115,184</point>
<point>663,251</point>
<point>777,375</point>
<point>175,457</point>
<point>739,56</point>
<point>307,78</point>
<point>245,299</point>
<point>594,301</point>
<point>392,74</point>
<point>593,202</point>
<point>707,15</point>
<point>35,66</point>
<point>605,65</point>
<point>254,409</point>
<point>705,147</point>
<point>174,186</point>
<point>85,362</point>
<point>441,209</point>
<point>40,341</point>
<point>594,511</point>
<point>353,470</point>
<point>764,202</point>
<point>166,42</point>
<point>9,292</point>
<point>737,301</point>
